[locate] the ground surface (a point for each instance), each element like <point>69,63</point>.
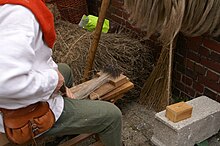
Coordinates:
<point>138,123</point>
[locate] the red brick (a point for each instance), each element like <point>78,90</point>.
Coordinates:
<point>210,84</point>
<point>179,85</point>
<point>180,59</point>
<point>198,87</point>
<point>204,51</point>
<point>185,89</point>
<point>117,12</point>
<point>189,91</point>
<point>125,15</point>
<point>210,64</point>
<point>215,56</point>
<point>189,64</point>
<point>194,43</point>
<point>210,93</point>
<point>193,75</point>
<point>199,69</point>
<point>193,56</point>
<point>196,40</point>
<point>129,25</point>
<point>177,76</point>
<point>180,67</point>
<point>175,92</point>
<point>212,44</point>
<point>212,76</point>
<point>185,96</point>
<point>187,80</point>
<point>118,19</point>
<point>117,4</point>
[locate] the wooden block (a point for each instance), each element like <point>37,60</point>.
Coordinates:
<point>108,87</point>
<point>178,111</point>
<point>117,81</point>
<point>118,91</point>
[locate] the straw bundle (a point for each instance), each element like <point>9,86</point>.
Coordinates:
<point>167,18</point>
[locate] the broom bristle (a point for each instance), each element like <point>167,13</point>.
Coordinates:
<point>108,72</point>
<point>113,71</point>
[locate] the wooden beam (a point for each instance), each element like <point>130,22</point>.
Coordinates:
<point>118,91</point>
<point>76,139</point>
<point>96,38</point>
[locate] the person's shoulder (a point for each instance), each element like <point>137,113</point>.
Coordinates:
<point>17,10</point>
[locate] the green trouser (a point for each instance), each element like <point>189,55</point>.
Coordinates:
<point>88,116</point>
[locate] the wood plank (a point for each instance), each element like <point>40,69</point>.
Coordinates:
<point>78,87</point>
<point>116,98</point>
<point>76,139</point>
<point>105,88</point>
<point>98,143</point>
<point>118,91</point>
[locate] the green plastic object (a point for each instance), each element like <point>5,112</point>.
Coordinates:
<point>89,23</point>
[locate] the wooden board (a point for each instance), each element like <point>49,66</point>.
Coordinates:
<point>76,139</point>
<point>78,87</point>
<point>98,143</point>
<point>118,91</point>
<point>116,98</point>
<point>98,93</point>
<point>108,87</point>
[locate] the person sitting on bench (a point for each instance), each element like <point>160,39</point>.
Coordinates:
<point>29,75</point>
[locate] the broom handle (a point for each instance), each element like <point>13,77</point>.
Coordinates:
<point>96,38</point>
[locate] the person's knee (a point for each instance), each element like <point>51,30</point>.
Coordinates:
<point>115,113</point>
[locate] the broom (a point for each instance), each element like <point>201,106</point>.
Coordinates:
<point>168,17</point>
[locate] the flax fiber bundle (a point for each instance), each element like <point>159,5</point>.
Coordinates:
<point>167,18</point>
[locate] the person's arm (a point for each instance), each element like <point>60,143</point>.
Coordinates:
<point>17,80</point>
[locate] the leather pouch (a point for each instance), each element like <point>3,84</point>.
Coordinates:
<point>24,124</point>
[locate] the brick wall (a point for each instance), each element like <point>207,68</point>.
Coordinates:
<point>196,60</point>
<point>197,68</point>
<point>115,13</point>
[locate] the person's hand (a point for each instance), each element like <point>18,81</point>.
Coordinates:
<point>69,94</point>
<point>60,82</point>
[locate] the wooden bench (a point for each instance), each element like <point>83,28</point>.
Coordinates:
<point>110,91</point>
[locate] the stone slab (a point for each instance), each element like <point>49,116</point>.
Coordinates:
<point>204,123</point>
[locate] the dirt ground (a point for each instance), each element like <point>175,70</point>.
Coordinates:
<point>138,123</point>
